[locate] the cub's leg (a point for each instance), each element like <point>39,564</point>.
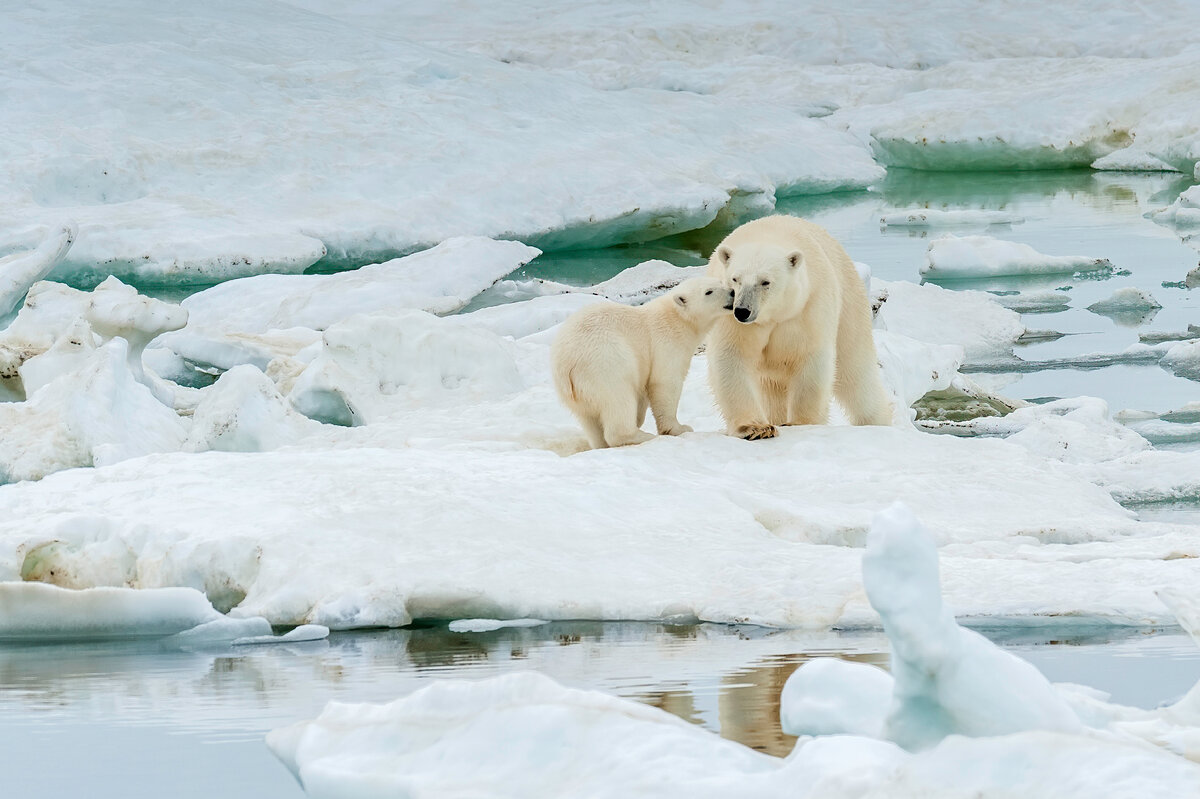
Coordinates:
<point>618,418</point>
<point>664,401</point>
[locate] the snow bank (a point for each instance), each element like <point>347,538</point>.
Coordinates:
<point>1183,213</point>
<point>828,696</point>
<point>955,257</point>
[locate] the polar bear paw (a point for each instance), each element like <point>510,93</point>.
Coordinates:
<point>753,432</point>
<point>677,430</point>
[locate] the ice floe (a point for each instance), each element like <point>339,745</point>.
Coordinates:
<point>957,257</point>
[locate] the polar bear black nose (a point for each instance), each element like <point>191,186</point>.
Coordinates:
<point>741,314</point>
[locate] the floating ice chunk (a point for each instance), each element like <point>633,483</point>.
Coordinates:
<point>370,364</point>
<point>301,634</point>
<point>949,680</point>
<point>487,625</point>
<point>244,412</point>
<point>955,257</point>
<point>37,611</point>
<point>20,270</point>
<point>221,630</point>
<point>933,218</point>
<point>911,369</point>
<point>97,414</point>
<point>829,696</point>
<point>1132,159</point>
<point>1036,302</point>
<point>1183,213</point>
<point>1128,306</point>
<point>930,313</point>
<point>1183,359</point>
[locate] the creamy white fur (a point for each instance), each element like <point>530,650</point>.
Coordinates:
<point>611,361</point>
<point>800,333</point>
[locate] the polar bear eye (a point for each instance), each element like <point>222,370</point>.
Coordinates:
<point>708,292</point>
<point>735,280</point>
<point>765,283</point>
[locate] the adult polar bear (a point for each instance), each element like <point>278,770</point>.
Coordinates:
<point>800,332</point>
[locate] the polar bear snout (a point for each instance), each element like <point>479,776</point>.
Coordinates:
<point>729,301</point>
<point>743,314</point>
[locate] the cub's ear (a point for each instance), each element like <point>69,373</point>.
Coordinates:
<point>680,299</point>
<point>796,258</point>
<point>723,254</point>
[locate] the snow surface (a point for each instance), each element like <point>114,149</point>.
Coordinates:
<point>957,257</point>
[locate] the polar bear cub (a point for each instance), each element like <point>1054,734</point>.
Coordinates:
<point>800,332</point>
<point>611,361</point>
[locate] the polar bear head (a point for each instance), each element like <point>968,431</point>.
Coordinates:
<point>701,300</point>
<point>767,280</point>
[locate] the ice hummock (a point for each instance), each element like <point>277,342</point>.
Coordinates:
<point>958,257</point>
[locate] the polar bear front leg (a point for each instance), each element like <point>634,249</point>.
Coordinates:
<point>664,403</point>
<point>812,389</point>
<point>737,393</point>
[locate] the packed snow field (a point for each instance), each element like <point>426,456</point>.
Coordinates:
<point>348,421</point>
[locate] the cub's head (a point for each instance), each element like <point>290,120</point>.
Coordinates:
<point>767,280</point>
<point>702,300</point>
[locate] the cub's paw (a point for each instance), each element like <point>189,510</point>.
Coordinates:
<point>677,430</point>
<point>753,432</point>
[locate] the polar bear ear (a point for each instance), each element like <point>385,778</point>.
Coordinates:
<point>796,258</point>
<point>723,254</point>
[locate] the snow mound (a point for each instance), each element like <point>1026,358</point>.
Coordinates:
<point>244,412</point>
<point>948,680</point>
<point>34,610</point>
<point>631,286</point>
<point>96,413</point>
<point>958,257</point>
